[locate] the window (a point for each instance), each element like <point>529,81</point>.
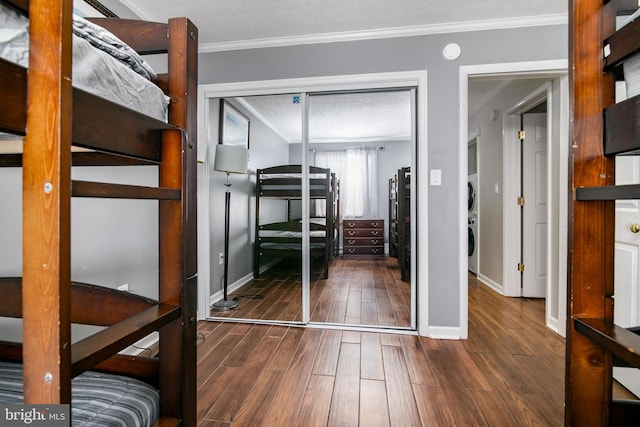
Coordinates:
<point>357,170</point>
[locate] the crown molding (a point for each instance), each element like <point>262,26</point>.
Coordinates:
<point>419,30</point>
<point>139,10</point>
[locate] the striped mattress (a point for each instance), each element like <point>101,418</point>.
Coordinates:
<point>97,399</point>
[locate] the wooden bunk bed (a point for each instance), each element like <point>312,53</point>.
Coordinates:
<point>400,220</point>
<point>393,216</point>
<point>601,130</point>
<point>404,222</point>
<point>53,116</point>
<point>283,238</point>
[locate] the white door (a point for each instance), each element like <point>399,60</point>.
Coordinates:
<point>627,247</point>
<point>627,263</point>
<point>534,225</point>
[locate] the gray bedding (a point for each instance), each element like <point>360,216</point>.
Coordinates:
<point>97,399</point>
<point>112,70</point>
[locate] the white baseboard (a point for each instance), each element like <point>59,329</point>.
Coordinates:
<point>629,378</point>
<point>552,323</point>
<point>240,282</point>
<point>445,333</point>
<point>490,283</point>
<point>142,345</point>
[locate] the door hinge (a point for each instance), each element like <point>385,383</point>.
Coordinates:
<point>520,201</point>
<point>521,134</point>
<point>520,267</point>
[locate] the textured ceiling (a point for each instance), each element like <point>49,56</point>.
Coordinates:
<point>367,117</point>
<point>228,24</point>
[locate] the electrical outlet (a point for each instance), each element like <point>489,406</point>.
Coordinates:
<point>124,287</point>
<point>220,258</point>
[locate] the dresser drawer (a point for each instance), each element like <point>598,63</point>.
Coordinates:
<point>363,223</point>
<point>361,232</point>
<point>363,241</point>
<point>363,238</point>
<point>363,250</point>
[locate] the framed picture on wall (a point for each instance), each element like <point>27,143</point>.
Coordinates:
<point>234,126</point>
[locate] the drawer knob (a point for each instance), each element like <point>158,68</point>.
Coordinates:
<point>375,233</point>
<point>351,233</point>
<point>374,241</point>
<point>351,241</point>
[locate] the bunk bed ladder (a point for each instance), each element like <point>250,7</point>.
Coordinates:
<point>601,130</point>
<point>50,359</point>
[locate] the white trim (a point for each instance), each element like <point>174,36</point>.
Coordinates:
<point>510,177</point>
<point>490,284</point>
<point>447,333</point>
<point>409,31</point>
<point>336,83</point>
<point>539,69</point>
<point>230,289</point>
<point>139,347</point>
<point>510,219</point>
<point>258,115</point>
<point>553,324</point>
<point>563,204</point>
<point>135,7</point>
<point>463,207</point>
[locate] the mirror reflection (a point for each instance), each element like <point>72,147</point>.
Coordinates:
<point>358,210</point>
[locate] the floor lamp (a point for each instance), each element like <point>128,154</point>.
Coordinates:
<point>229,159</point>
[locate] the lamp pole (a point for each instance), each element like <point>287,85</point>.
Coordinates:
<point>224,304</point>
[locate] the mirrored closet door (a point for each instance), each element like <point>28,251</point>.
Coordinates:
<point>322,222</point>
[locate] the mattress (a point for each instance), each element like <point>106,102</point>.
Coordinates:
<point>290,246</point>
<point>97,399</point>
<point>117,76</point>
<point>290,234</point>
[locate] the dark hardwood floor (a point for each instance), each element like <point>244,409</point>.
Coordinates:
<point>361,292</point>
<point>510,372</point>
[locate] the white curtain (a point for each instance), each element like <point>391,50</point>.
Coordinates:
<point>357,170</point>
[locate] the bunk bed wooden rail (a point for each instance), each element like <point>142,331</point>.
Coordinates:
<point>56,116</point>
<point>597,135</point>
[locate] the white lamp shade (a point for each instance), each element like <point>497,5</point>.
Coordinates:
<point>231,159</point>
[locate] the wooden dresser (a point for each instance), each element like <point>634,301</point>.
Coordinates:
<point>363,238</point>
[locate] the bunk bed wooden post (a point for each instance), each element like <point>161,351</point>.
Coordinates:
<point>592,337</point>
<point>46,206</point>
<point>178,243</point>
<point>256,243</point>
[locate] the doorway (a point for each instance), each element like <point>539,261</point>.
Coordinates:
<point>305,155</point>
<point>499,176</point>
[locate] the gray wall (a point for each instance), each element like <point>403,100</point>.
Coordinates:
<point>408,54</point>
<point>96,256</point>
<point>266,148</point>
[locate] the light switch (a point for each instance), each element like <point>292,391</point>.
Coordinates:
<point>436,177</point>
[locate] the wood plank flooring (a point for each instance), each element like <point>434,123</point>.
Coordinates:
<point>358,292</point>
<point>510,372</point>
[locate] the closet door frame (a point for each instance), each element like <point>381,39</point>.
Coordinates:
<point>305,86</point>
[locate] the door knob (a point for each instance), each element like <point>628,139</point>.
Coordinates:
<point>634,228</point>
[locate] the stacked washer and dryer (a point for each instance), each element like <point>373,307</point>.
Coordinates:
<point>472,195</point>
<point>473,222</point>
